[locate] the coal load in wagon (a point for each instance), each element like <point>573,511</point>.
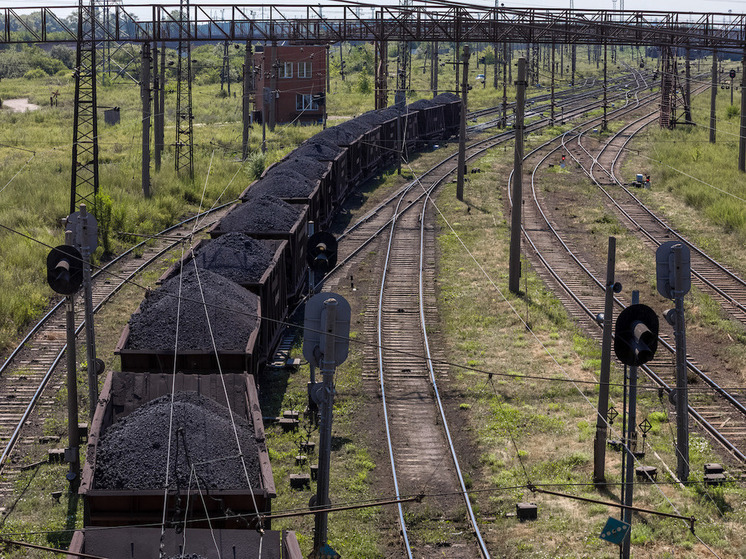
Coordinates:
<point>235,256</point>
<point>336,135</point>
<point>282,183</point>
<point>261,213</point>
<point>319,150</point>
<point>232,311</point>
<point>310,167</point>
<point>132,454</point>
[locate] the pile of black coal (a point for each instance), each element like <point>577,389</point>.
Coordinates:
<point>232,312</point>
<point>261,214</point>
<point>235,256</point>
<point>132,454</point>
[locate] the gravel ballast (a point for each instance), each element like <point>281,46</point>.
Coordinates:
<point>132,453</point>
<point>235,256</point>
<point>260,214</point>
<point>231,308</point>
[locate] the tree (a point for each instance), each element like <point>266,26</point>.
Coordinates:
<point>64,54</point>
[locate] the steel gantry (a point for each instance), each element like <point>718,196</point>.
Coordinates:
<point>419,21</point>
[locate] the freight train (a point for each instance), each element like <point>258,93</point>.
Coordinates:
<point>177,440</point>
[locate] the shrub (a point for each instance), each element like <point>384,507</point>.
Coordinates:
<point>255,165</point>
<point>732,111</point>
<point>35,74</point>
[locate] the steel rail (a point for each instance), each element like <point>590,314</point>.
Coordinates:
<point>659,381</point>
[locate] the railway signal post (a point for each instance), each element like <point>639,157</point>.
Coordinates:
<point>674,281</point>
<point>462,128</point>
<point>85,238</point>
<point>325,343</point>
<point>65,275</point>
<point>635,344</point>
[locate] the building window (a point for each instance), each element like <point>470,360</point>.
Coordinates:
<point>304,102</point>
<point>304,69</point>
<point>286,69</point>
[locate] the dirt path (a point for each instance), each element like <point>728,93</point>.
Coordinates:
<point>19,105</point>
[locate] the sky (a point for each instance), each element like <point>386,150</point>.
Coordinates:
<point>717,6</point>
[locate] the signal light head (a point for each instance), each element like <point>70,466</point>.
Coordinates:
<point>636,338</point>
<point>65,269</point>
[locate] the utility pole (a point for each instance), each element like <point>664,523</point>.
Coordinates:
<point>599,443</point>
<point>688,89</point>
<point>604,125</point>
<point>504,121</point>
<point>462,128</point>
<point>742,133</point>
<point>572,64</point>
<point>248,88</point>
<point>84,181</point>
<point>225,71</point>
<point>713,95</point>
<point>145,96</point>
<point>514,270</point>
<point>87,239</point>
<point>434,68</point>
<point>456,50</point>
<point>551,110</point>
<point>156,103</point>
<point>160,110</point>
<point>274,70</point>
<point>184,148</point>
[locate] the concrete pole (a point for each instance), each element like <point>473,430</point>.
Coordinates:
<point>605,123</point>
<point>434,68</point>
<point>713,95</point>
<point>462,128</point>
<point>274,69</point>
<point>504,121</point>
<point>156,103</point>
<point>688,89</point>
<point>551,110</point>
<point>85,252</point>
<point>514,270</point>
<point>682,398</point>
<point>72,455</point>
<point>572,64</point>
<point>248,76</point>
<point>742,133</point>
<point>160,113</point>
<point>145,95</point>
<point>599,443</point>
<point>326,403</point>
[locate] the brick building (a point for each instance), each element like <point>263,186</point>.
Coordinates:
<point>289,81</point>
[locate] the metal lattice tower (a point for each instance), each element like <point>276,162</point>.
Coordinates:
<point>84,183</point>
<point>671,91</point>
<point>184,147</point>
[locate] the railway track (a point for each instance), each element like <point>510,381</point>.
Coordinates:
<point>719,412</point>
<point>421,457</point>
<point>29,377</point>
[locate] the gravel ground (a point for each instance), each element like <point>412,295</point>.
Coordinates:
<point>231,308</point>
<point>132,453</point>
<point>235,256</point>
<point>262,213</point>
